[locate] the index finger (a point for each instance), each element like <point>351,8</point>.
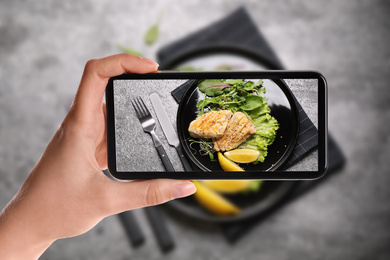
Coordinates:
<point>97,72</point>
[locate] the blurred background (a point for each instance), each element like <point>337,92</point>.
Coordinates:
<point>44,46</point>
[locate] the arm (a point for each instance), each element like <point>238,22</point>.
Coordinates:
<point>66,194</point>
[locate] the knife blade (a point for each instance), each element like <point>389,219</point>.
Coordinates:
<point>168,130</point>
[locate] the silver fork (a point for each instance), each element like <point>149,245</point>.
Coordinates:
<point>148,125</point>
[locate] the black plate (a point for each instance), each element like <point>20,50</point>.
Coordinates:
<point>251,204</point>
<point>282,105</point>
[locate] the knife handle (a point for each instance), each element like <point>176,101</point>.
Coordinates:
<point>186,164</point>
<point>164,158</point>
<point>132,228</point>
<point>160,228</point>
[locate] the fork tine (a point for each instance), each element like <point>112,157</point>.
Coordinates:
<point>139,107</point>
<point>137,111</point>
<point>143,106</point>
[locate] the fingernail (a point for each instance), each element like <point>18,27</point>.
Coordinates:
<point>151,62</point>
<point>183,190</point>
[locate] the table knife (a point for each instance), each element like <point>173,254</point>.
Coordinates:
<point>132,228</point>
<point>160,228</point>
<point>169,132</point>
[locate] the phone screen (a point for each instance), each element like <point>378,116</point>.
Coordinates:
<point>226,126</point>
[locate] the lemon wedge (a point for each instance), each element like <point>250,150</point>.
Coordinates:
<point>242,155</point>
<point>227,165</point>
<point>213,201</point>
<point>228,186</point>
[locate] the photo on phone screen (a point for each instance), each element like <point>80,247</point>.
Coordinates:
<point>227,126</point>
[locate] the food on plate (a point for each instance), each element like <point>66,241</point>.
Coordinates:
<point>249,132</point>
<point>227,165</point>
<point>227,130</point>
<point>213,201</point>
<point>238,130</point>
<point>228,186</point>
<point>210,125</point>
<point>251,127</point>
<point>242,155</point>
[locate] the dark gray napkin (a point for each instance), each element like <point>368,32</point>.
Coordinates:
<point>237,29</point>
<point>231,31</point>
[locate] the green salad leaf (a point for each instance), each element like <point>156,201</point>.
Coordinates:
<point>254,186</point>
<point>259,111</point>
<point>235,95</point>
<point>212,87</point>
<point>259,83</point>
<point>252,102</point>
<point>202,104</point>
<point>151,34</point>
<point>234,81</point>
<point>129,50</point>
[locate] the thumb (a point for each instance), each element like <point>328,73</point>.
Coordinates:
<point>146,193</point>
<point>89,96</point>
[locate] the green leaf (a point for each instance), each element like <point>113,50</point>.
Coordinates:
<point>212,87</point>
<point>202,104</point>
<point>252,102</point>
<point>258,83</point>
<point>261,110</point>
<point>234,81</point>
<point>129,50</point>
<point>266,126</point>
<point>249,86</point>
<point>255,185</point>
<point>151,34</point>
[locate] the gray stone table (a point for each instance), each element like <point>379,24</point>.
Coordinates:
<point>45,44</point>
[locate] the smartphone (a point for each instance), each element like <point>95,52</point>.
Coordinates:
<point>269,125</point>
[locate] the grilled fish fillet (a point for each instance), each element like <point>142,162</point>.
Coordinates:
<point>239,129</point>
<point>210,125</point>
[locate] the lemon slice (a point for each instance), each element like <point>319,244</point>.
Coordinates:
<point>213,201</point>
<point>242,155</point>
<point>228,186</point>
<point>228,165</point>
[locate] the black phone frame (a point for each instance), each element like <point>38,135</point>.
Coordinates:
<point>264,175</point>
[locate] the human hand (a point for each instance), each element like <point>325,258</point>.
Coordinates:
<point>66,194</point>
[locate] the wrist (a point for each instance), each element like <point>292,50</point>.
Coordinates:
<point>19,233</point>
<point>13,246</point>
